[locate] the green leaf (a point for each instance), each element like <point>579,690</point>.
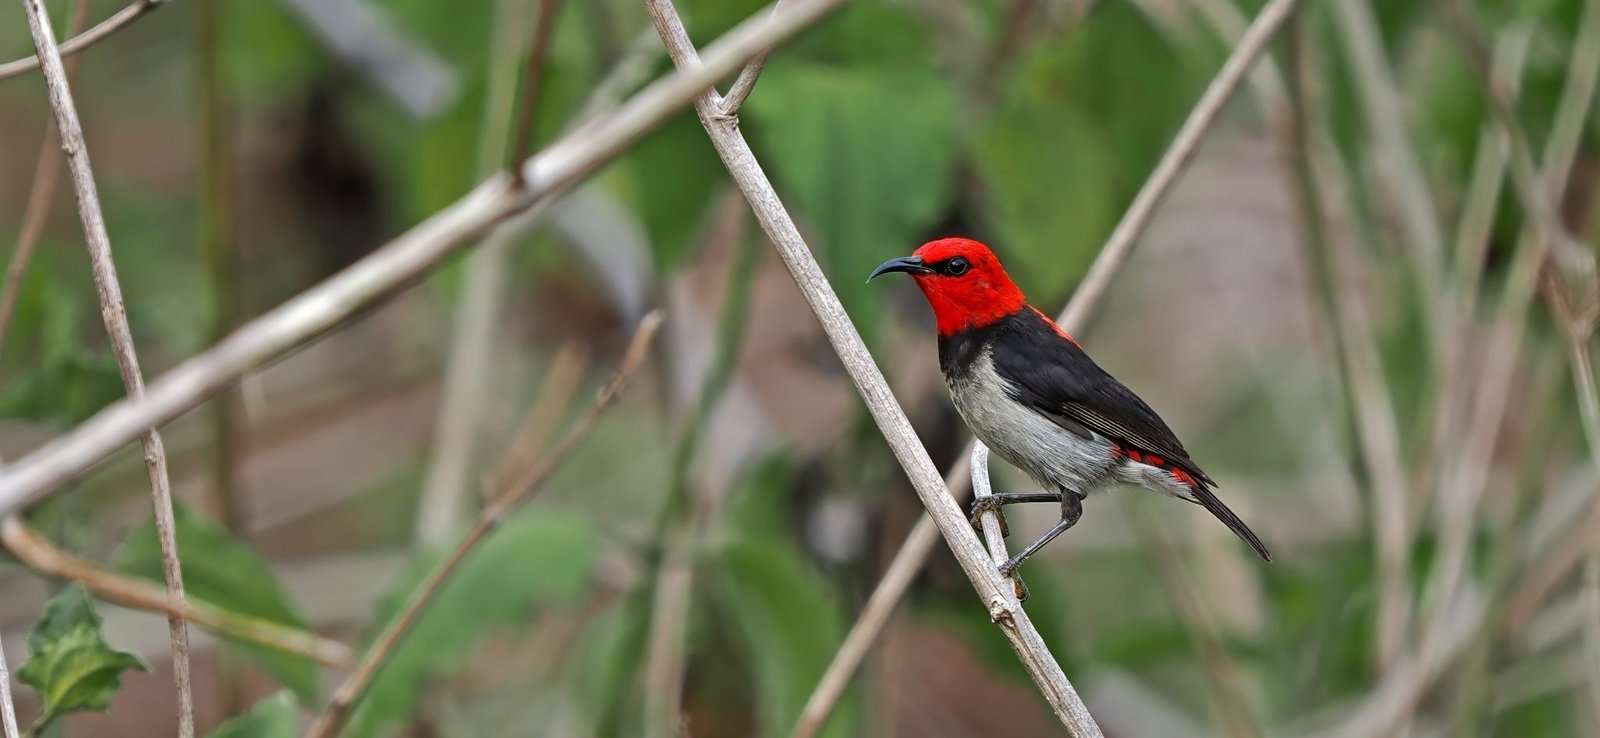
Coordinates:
<point>67,376</point>
<point>540,557</point>
<point>1077,130</point>
<point>71,667</point>
<point>865,156</point>
<point>790,623</point>
<point>273,717</point>
<point>221,569</point>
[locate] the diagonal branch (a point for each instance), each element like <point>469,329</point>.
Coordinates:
<point>532,83</point>
<point>741,88</point>
<point>994,591</point>
<point>519,491</point>
<point>914,551</point>
<point>116,320</point>
<point>88,38</point>
<point>45,558</point>
<point>8,711</point>
<point>43,192</point>
<point>390,268</point>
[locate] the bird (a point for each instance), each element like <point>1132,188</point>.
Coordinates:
<point>1028,391</point>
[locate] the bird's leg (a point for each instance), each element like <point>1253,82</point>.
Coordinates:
<point>995,503</point>
<point>1071,510</point>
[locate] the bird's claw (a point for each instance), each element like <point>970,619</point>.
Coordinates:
<point>981,505</point>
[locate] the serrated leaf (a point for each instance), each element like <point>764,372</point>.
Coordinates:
<point>865,157</point>
<point>223,570</point>
<point>540,557</point>
<point>70,666</point>
<point>790,623</point>
<point>273,717</point>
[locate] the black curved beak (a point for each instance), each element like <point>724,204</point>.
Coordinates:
<point>907,264</point>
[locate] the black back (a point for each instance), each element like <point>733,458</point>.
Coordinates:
<point>1052,374</point>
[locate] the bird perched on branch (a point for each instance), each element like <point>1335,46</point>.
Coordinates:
<point>1028,391</point>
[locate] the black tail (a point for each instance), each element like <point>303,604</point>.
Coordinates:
<point>1205,499</point>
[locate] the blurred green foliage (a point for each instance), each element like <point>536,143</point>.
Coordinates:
<point>219,568</point>
<point>273,717</point>
<point>534,560</point>
<point>890,123</point>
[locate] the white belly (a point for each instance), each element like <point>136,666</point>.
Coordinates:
<point>1055,457</point>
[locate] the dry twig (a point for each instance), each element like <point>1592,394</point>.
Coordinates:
<point>42,193</point>
<point>84,40</point>
<point>869,381</point>
<point>344,699</point>
<point>46,559</point>
<point>532,82</point>
<point>8,711</point>
<point>1317,172</point>
<point>441,506</point>
<point>914,551</point>
<point>393,266</point>
<point>116,320</point>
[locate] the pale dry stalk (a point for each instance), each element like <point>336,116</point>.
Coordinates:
<point>84,40</point>
<point>309,315</point>
<point>892,422</point>
<point>42,557</point>
<point>902,570</point>
<point>519,491</point>
<point>46,172</point>
<point>116,321</point>
<point>8,711</point>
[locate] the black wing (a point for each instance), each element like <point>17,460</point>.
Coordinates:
<point>1054,376</point>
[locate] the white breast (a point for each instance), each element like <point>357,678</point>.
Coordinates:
<point>1053,456</point>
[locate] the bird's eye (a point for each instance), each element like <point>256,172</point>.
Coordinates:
<point>956,267</point>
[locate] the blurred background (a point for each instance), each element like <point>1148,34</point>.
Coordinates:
<point>1344,308</point>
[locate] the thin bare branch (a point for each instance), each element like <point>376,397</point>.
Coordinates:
<point>691,503</point>
<point>302,319</point>
<point>1463,485</point>
<point>79,42</point>
<point>1383,105</point>
<point>561,381</point>
<point>914,551</point>
<point>521,490</point>
<point>1182,150</point>
<point>740,90</point>
<point>994,536</point>
<point>1591,627</point>
<point>1317,171</point>
<point>8,711</point>
<point>40,196</point>
<point>1222,671</point>
<point>468,384</point>
<point>892,423</point>
<point>46,559</point>
<point>116,320</point>
<point>532,81</point>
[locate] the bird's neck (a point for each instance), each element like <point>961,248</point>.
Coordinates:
<point>957,309</point>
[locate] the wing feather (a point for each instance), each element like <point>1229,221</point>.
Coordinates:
<point>1053,375</point>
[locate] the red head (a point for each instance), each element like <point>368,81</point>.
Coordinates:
<point>963,281</point>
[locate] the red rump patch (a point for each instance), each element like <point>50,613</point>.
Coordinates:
<point>1132,454</point>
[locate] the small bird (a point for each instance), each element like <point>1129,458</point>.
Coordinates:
<point>1030,393</point>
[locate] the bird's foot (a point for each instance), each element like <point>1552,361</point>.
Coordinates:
<point>988,503</point>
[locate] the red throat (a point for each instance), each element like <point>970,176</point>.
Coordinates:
<point>980,297</point>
